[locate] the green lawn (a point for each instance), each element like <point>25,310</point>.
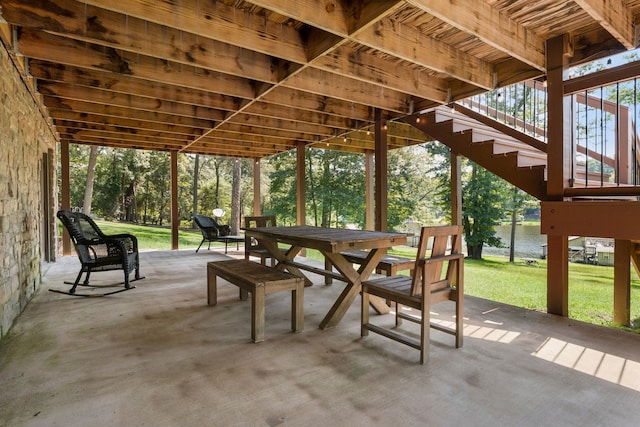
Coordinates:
<point>494,278</point>
<point>153,237</point>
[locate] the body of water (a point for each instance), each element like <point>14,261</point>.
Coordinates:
<point>528,241</point>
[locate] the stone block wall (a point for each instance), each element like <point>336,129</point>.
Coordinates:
<point>24,138</point>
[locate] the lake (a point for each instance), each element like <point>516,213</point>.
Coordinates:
<point>528,241</point>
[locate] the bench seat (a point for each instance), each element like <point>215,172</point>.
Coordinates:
<point>258,280</point>
<point>389,264</point>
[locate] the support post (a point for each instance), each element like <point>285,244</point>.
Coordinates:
<point>369,210</point>
<point>66,193</point>
<point>622,282</point>
<point>175,220</point>
<point>381,172</point>
<point>301,188</point>
<point>558,166</point>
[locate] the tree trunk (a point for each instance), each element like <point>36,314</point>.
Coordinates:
<point>91,174</point>
<point>235,197</point>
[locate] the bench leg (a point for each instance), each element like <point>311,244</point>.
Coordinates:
<point>297,308</point>
<point>212,288</point>
<point>257,314</point>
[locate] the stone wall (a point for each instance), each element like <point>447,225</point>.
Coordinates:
<point>24,140</point>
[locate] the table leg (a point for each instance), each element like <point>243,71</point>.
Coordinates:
<point>282,258</point>
<point>354,284</point>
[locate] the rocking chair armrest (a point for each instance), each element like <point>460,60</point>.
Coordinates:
<point>125,236</point>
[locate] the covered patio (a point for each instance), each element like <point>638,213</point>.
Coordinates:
<point>158,355</point>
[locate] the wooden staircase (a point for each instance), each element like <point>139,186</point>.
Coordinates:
<point>512,155</point>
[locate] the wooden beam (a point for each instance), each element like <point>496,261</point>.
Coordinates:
<point>409,44</point>
<point>489,25</point>
<point>217,21</point>
<point>119,99</point>
<point>347,89</point>
<point>622,282</point>
<point>175,217</point>
<point>65,193</point>
<point>381,153</point>
<point>118,31</point>
<point>614,16</point>
<point>54,72</point>
<point>365,67</point>
<point>53,48</point>
<point>369,193</point>
<point>301,189</point>
<point>578,219</point>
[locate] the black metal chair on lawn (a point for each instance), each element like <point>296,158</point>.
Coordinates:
<point>99,252</point>
<point>211,230</point>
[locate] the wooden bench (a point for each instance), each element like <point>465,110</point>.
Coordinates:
<point>258,280</point>
<point>389,264</point>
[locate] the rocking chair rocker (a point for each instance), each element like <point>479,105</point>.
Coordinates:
<point>99,252</point>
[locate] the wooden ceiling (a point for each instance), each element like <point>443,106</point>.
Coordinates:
<point>252,79</point>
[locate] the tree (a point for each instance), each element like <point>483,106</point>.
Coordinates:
<point>482,207</point>
<point>235,197</point>
<point>483,196</point>
<point>91,174</point>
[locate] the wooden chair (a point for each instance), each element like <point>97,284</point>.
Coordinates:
<point>431,284</point>
<point>251,247</point>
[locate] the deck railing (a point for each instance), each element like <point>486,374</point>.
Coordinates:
<point>604,131</point>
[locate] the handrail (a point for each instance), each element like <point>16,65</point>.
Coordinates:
<point>604,131</point>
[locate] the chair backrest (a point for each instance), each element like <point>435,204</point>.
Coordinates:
<point>445,240</point>
<point>259,221</point>
<point>80,226</point>
<point>253,222</point>
<point>210,228</point>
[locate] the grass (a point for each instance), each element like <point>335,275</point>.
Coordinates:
<point>153,237</point>
<point>493,278</point>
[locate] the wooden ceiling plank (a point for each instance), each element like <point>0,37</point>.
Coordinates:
<point>349,62</point>
<point>489,25</point>
<point>614,17</point>
<point>409,44</point>
<point>328,84</point>
<point>314,102</point>
<point>53,48</point>
<point>117,99</point>
<point>85,112</point>
<point>68,126</point>
<point>48,71</point>
<point>106,28</point>
<point>216,21</point>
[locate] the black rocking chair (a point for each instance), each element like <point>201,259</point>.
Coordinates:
<point>99,252</point>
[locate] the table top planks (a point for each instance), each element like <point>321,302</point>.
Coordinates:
<point>331,240</point>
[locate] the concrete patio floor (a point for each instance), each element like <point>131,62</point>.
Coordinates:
<point>159,356</point>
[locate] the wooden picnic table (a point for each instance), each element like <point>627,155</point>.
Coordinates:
<point>330,242</point>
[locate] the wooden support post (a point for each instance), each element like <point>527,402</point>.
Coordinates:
<point>622,283</point>
<point>66,193</point>
<point>369,213</point>
<point>175,220</point>
<point>301,188</point>
<point>381,171</point>
<point>558,166</point>
<point>558,275</point>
